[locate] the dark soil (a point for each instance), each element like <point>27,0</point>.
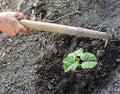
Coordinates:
<point>33,64</point>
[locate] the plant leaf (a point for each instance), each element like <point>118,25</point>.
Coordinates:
<point>69,60</point>
<point>88,57</point>
<point>88,64</point>
<point>72,54</point>
<point>69,64</point>
<point>71,67</point>
<point>78,52</point>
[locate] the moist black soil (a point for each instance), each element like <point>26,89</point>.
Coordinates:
<point>33,64</point>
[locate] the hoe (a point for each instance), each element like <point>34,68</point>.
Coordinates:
<point>64,29</point>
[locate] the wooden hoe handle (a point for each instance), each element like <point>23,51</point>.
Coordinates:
<point>64,29</point>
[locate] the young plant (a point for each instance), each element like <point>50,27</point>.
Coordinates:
<point>79,59</point>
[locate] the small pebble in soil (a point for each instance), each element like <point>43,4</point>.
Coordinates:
<point>95,42</point>
<point>10,40</point>
<point>50,86</point>
<point>118,60</point>
<point>100,53</point>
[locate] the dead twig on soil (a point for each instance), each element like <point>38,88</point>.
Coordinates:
<point>19,4</point>
<point>1,8</point>
<point>76,11</point>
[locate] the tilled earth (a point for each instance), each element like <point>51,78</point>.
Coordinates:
<point>32,64</point>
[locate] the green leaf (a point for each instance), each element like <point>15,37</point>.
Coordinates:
<point>88,57</point>
<point>78,52</point>
<point>88,64</point>
<point>69,64</point>
<point>71,67</point>
<point>69,60</point>
<point>72,54</point>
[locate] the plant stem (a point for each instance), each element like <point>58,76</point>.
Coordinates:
<point>79,65</point>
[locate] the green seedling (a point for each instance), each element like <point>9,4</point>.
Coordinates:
<point>79,59</point>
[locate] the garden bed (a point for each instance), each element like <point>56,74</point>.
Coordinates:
<point>33,64</point>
